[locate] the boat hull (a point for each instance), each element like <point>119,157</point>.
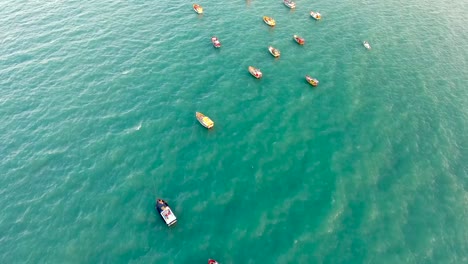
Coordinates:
<point>289,4</point>
<point>215,42</point>
<point>366,45</point>
<point>312,81</point>
<point>165,212</point>
<point>274,52</point>
<point>298,40</point>
<point>315,15</point>
<point>204,120</point>
<point>255,72</point>
<point>198,9</point>
<point>269,21</point>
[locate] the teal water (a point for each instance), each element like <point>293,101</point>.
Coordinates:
<point>97,100</point>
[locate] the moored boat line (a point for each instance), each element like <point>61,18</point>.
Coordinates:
<point>161,206</point>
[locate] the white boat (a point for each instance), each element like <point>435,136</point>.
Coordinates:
<point>289,3</point>
<point>366,45</point>
<point>315,15</point>
<point>275,52</point>
<point>215,42</point>
<point>165,212</point>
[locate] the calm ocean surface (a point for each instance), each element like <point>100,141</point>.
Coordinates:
<point>98,101</point>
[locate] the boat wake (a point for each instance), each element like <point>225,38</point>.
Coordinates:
<point>133,129</point>
<point>137,127</point>
<point>126,72</point>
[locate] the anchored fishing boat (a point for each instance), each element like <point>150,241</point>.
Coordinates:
<point>275,52</point>
<point>299,40</point>
<point>289,3</point>
<point>215,42</point>
<point>255,72</point>
<point>197,8</point>
<point>312,81</point>
<point>366,45</point>
<point>315,15</point>
<point>204,120</point>
<point>269,21</point>
<point>165,212</point>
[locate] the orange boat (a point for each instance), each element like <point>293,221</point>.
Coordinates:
<point>299,40</point>
<point>204,120</point>
<point>269,21</point>
<point>255,72</point>
<point>312,81</point>
<point>198,9</point>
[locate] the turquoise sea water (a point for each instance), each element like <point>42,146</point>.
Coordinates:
<point>97,100</point>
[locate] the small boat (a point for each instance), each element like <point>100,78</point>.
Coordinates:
<point>215,42</point>
<point>299,40</point>
<point>255,72</point>
<point>315,15</point>
<point>275,52</point>
<point>289,3</point>
<point>269,21</point>
<point>314,82</point>
<point>204,120</point>
<point>198,9</point>
<point>212,261</point>
<point>366,44</point>
<point>165,212</point>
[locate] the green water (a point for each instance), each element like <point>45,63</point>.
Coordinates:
<point>98,102</point>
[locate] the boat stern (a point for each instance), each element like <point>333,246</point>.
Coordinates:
<point>168,216</point>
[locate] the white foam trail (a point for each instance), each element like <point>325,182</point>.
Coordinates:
<point>138,127</point>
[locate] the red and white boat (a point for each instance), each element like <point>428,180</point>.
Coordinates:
<point>255,72</point>
<point>165,212</point>
<point>299,40</point>
<point>198,9</point>
<point>212,261</point>
<point>215,42</point>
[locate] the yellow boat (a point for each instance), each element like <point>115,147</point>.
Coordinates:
<point>198,9</point>
<point>204,120</point>
<point>269,21</point>
<point>312,81</point>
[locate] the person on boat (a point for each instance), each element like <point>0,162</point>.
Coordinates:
<point>160,205</point>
